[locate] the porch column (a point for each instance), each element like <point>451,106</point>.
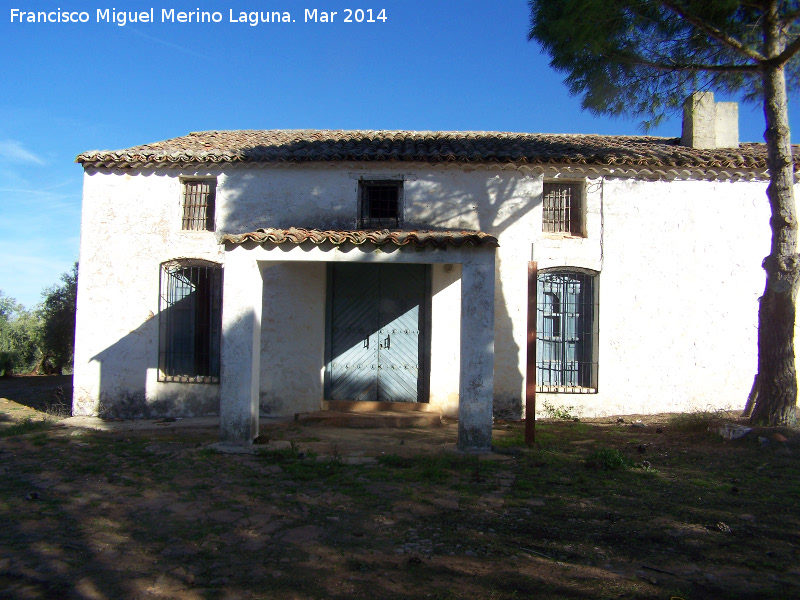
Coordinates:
<point>476,384</point>
<point>241,347</point>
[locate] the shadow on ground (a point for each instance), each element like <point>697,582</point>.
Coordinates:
<point>605,509</point>
<point>44,393</point>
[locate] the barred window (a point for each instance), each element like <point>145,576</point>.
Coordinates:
<point>190,322</point>
<point>566,338</point>
<point>381,203</point>
<point>198,204</point>
<point>562,210</point>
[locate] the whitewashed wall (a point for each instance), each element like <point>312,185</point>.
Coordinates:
<point>680,276</point>
<point>292,337</point>
<point>679,266</point>
<point>131,223</point>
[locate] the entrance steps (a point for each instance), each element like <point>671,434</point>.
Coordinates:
<point>341,413</point>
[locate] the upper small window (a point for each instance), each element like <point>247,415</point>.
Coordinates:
<point>381,203</point>
<point>198,204</point>
<point>562,208</point>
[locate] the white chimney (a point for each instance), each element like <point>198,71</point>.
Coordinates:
<point>709,124</point>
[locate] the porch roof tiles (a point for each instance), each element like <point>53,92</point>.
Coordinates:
<point>379,237</point>
<point>306,145</point>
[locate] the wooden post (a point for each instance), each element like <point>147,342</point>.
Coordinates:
<point>530,371</point>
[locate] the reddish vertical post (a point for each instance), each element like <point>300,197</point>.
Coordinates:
<point>530,369</point>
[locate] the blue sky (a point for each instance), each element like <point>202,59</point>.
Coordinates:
<point>72,87</point>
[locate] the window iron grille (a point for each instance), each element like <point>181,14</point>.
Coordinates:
<point>198,205</point>
<point>190,323</point>
<point>561,208</point>
<point>380,204</point>
<point>566,339</point>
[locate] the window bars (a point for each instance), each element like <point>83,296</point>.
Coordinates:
<point>380,204</point>
<point>561,208</point>
<point>198,205</point>
<point>566,349</point>
<point>190,323</point>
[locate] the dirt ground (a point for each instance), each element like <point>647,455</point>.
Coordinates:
<point>628,507</point>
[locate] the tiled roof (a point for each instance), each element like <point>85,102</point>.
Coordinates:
<point>305,145</point>
<point>438,239</point>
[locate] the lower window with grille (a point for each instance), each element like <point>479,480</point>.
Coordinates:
<point>190,322</point>
<point>566,338</point>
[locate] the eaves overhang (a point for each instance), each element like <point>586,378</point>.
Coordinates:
<point>282,147</point>
<point>358,237</point>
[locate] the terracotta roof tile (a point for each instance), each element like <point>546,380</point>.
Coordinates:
<point>438,239</point>
<point>304,145</point>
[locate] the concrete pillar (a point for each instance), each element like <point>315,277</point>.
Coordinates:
<point>241,348</point>
<point>476,383</point>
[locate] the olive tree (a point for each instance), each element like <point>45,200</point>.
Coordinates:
<point>57,313</point>
<point>19,334</point>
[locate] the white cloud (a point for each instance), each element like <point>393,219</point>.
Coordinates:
<point>14,151</point>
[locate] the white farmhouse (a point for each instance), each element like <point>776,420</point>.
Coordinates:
<point>246,272</point>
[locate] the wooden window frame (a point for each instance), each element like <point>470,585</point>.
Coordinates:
<point>198,204</point>
<point>563,208</point>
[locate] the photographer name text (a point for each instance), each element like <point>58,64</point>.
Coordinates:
<point>170,15</point>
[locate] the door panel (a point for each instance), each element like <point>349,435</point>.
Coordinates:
<point>401,305</point>
<point>354,341</point>
<point>377,335</point>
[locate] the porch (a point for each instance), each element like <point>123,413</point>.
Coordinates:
<point>279,279</point>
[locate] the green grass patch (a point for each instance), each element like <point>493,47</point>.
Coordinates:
<point>439,468</point>
<point>40,439</point>
<point>281,455</point>
<point>546,436</point>
<point>608,459</point>
<point>89,468</point>
<point>512,440</point>
<point>309,469</point>
<point>24,427</point>
<point>580,428</point>
<point>305,466</point>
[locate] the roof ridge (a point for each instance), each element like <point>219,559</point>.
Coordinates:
<point>458,132</point>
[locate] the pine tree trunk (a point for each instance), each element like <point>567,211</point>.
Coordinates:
<point>777,377</point>
<point>751,399</point>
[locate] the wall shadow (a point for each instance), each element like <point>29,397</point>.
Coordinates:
<point>122,387</point>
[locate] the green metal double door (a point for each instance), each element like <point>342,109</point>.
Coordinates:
<point>378,332</point>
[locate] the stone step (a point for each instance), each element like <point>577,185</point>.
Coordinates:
<point>393,419</point>
<point>374,407</point>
